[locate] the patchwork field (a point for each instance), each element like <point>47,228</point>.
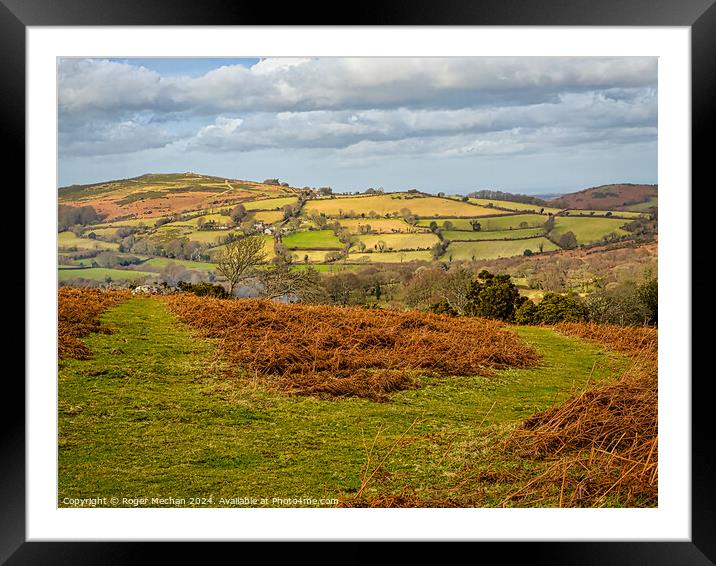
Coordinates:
<point>506,222</point>
<point>69,240</point>
<point>493,250</point>
<point>588,230</point>
<point>423,241</point>
<point>269,204</point>
<point>464,235</point>
<point>159,263</point>
<point>389,257</point>
<point>100,274</point>
<point>517,206</point>
<point>393,203</point>
<point>268,248</point>
<point>653,202</point>
<point>606,213</point>
<point>314,256</point>
<point>268,216</point>
<point>312,240</point>
<point>378,225</point>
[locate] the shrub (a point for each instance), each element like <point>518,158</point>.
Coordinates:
<point>493,296</point>
<point>204,289</point>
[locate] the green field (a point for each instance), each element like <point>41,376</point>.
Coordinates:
<point>151,415</point>
<point>269,203</point>
<point>131,222</point>
<point>69,240</point>
<point>421,241</point>
<point>218,219</point>
<point>393,203</point>
<point>389,257</point>
<point>268,248</point>
<point>100,274</point>
<point>511,221</point>
<point>169,232</point>
<point>518,206</point>
<point>378,225</point>
<point>644,206</point>
<point>618,213</point>
<point>312,240</point>
<point>586,229</point>
<point>158,263</point>
<point>314,256</point>
<point>268,216</point>
<point>493,250</point>
<point>464,235</point>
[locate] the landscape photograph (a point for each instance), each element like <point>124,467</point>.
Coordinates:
<point>357,282</point>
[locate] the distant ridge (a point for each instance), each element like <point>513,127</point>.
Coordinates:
<point>620,196</point>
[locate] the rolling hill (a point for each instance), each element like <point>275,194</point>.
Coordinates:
<point>185,218</point>
<point>623,196</point>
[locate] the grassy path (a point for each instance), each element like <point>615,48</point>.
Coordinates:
<point>149,416</point>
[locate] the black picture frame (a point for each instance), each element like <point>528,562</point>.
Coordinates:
<point>17,15</point>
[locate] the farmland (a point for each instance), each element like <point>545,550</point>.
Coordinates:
<point>418,419</point>
<point>588,230</point>
<point>399,241</point>
<point>389,257</point>
<point>419,204</point>
<point>456,236</point>
<point>379,229</point>
<point>312,240</point>
<point>516,206</point>
<point>101,274</point>
<point>492,250</point>
<point>378,225</point>
<point>506,222</point>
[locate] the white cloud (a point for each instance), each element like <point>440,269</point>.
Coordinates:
<point>362,107</point>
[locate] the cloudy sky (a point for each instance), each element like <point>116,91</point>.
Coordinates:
<point>527,124</point>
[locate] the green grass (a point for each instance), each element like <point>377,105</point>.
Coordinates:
<point>268,248</point>
<point>269,203</point>
<point>588,229</point>
<point>150,416</point>
<point>494,250</point>
<point>507,222</point>
<point>419,241</point>
<point>159,263</point>
<point>618,213</point>
<point>312,239</point>
<point>314,256</point>
<point>100,274</point>
<point>69,240</point>
<point>464,235</point>
<point>389,257</point>
<point>643,206</point>
<point>377,225</point>
<point>509,205</point>
<point>131,222</point>
<point>393,203</point>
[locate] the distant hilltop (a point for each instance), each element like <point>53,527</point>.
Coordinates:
<point>162,194</point>
<point>610,197</point>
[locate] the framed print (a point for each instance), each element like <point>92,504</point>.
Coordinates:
<point>392,279</point>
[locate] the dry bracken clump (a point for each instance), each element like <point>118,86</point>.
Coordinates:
<point>335,351</point>
<point>78,312</point>
<point>602,443</point>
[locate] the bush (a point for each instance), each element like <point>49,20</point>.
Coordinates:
<point>204,290</point>
<point>552,309</point>
<point>493,296</point>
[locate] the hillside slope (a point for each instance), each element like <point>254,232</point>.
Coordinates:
<point>616,197</point>
<point>155,195</point>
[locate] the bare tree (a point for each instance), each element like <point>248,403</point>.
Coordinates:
<point>281,280</point>
<point>238,258</point>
